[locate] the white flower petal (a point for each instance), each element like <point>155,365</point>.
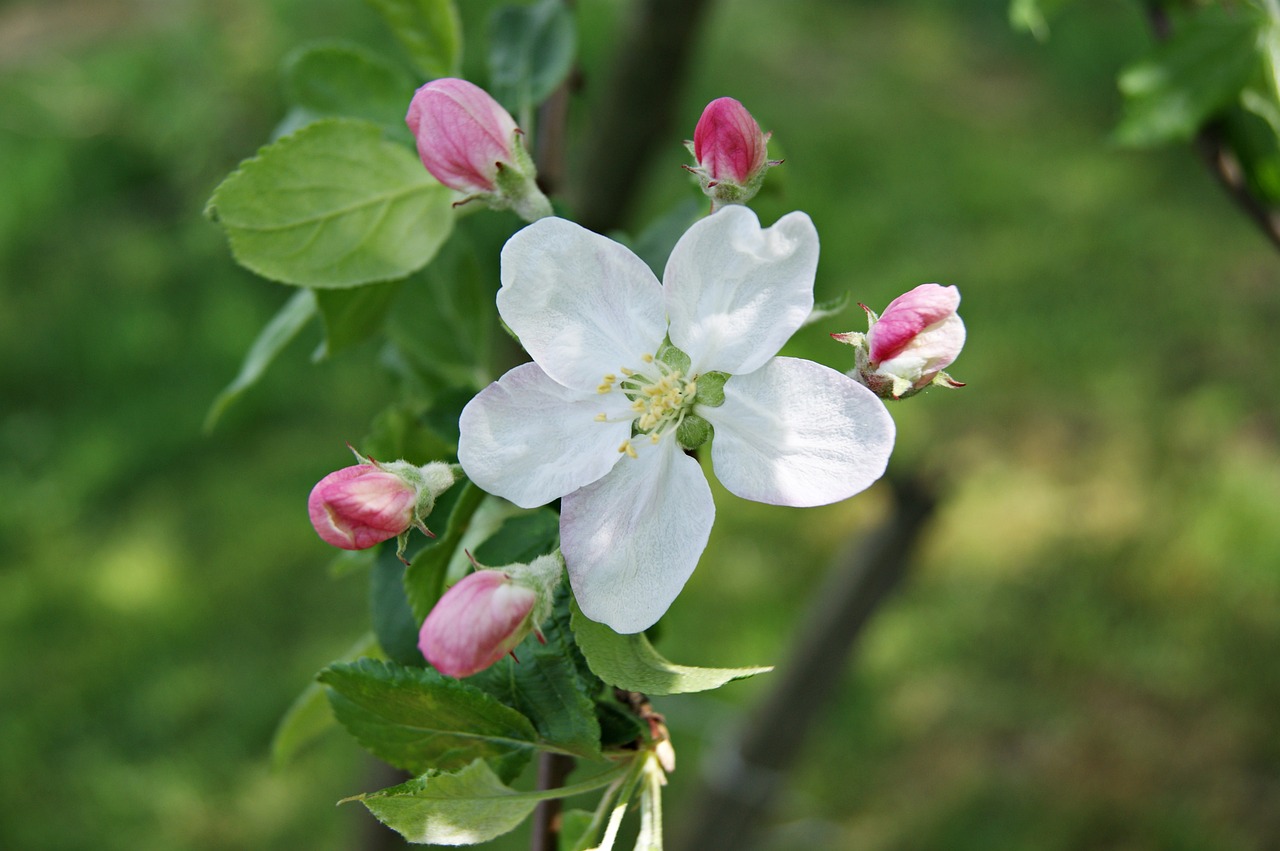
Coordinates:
<point>736,293</point>
<point>797,433</point>
<point>631,540</point>
<point>529,439</point>
<point>582,305</point>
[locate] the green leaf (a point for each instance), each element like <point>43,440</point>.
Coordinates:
<point>418,720</point>
<point>1190,78</point>
<point>283,327</point>
<point>333,205</point>
<point>630,662</point>
<point>521,539</point>
<point>424,580</point>
<point>393,620</point>
<point>349,80</point>
<point>309,715</point>
<point>1033,15</point>
<point>546,685</point>
<point>574,825</point>
<point>455,295</point>
<point>429,31</point>
<point>354,315</point>
<point>655,242</point>
<point>401,431</point>
<point>531,51</point>
<point>470,806</point>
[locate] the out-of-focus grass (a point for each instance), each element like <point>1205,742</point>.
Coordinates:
<point>1084,657</point>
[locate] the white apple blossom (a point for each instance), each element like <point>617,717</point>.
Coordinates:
<point>628,372</point>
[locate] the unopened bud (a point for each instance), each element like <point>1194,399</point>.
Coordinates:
<point>731,151</point>
<point>487,614</point>
<point>472,145</point>
<point>359,506</point>
<point>906,348</point>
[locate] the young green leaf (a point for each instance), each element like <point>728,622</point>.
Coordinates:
<point>521,539</point>
<point>429,31</point>
<point>531,51</point>
<point>424,579</point>
<point>349,80</point>
<point>275,335</point>
<point>333,205</point>
<point>630,662</point>
<point>418,720</point>
<point>1190,78</point>
<point>470,806</point>
<point>354,315</point>
<point>309,715</point>
<point>393,621</point>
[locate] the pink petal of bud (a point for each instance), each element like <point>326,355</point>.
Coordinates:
<point>463,134</point>
<point>357,507</point>
<point>728,143</point>
<point>476,623</point>
<point>911,315</point>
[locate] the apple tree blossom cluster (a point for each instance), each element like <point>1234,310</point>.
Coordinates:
<point>587,460</point>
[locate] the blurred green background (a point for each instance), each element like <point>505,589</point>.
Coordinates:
<point>1084,656</point>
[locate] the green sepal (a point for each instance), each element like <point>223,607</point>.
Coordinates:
<point>673,357</point>
<point>419,720</point>
<point>630,662</point>
<point>693,431</point>
<point>711,388</point>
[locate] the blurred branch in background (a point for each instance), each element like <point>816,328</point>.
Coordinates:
<point>742,782</point>
<point>636,110</point>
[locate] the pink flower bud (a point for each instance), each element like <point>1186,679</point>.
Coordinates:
<point>728,142</point>
<point>463,134</point>
<point>731,151</point>
<point>357,507</point>
<point>477,622</point>
<point>907,347</point>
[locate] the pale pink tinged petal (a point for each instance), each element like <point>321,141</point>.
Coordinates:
<point>735,293</point>
<point>531,440</point>
<point>462,133</point>
<point>359,506</point>
<point>631,540</point>
<point>476,623</point>
<point>581,304</point>
<point>728,142</point>
<point>932,350</point>
<point>798,433</point>
<point>908,315</point>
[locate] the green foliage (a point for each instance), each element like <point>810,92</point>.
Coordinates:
<point>531,51</point>
<point>393,621</point>
<point>292,317</point>
<point>309,715</point>
<point>420,721</point>
<point>353,315</point>
<point>550,685</point>
<point>1191,78</point>
<point>630,662</point>
<point>351,81</point>
<point>521,539</point>
<point>424,579</point>
<point>333,205</point>
<point>1033,15</point>
<point>430,31</point>
<point>470,806</point>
